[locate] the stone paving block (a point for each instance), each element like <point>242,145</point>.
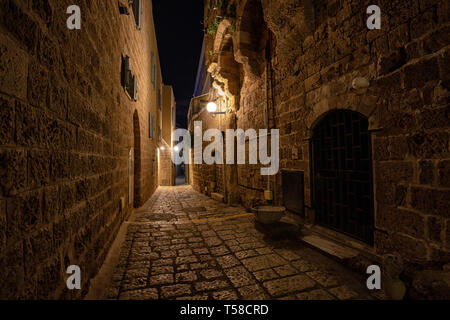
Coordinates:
<point>196,245</point>
<point>195,239</point>
<point>186,277</point>
<point>225,295</point>
<point>194,298</point>
<point>201,251</point>
<point>178,241</point>
<point>264,251</point>
<point>344,293</point>
<point>162,262</point>
<point>288,285</point>
<point>161,279</point>
<point>213,241</point>
<point>325,279</point>
<point>210,285</point>
<point>263,262</point>
<point>288,298</point>
<point>211,273</point>
<point>239,277</point>
<point>177,247</point>
<point>175,291</point>
<point>219,251</point>
<point>227,237</point>
<point>209,233</point>
<point>185,260</point>
<point>303,265</point>
<point>169,254</point>
<point>184,252</point>
<point>197,266</point>
<point>205,258</point>
<point>144,294</point>
<point>161,270</point>
<point>138,265</point>
<point>182,267</point>
<point>285,270</point>
<point>240,266</point>
<point>246,254</point>
<point>134,283</point>
<point>253,292</point>
<point>287,254</point>
<point>318,294</point>
<point>136,273</point>
<point>234,248</point>
<point>228,261</point>
<point>265,275</point>
<point>252,245</point>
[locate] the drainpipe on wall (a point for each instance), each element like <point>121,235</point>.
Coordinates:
<point>269,193</point>
<point>224,171</point>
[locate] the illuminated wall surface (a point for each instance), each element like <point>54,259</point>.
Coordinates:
<point>360,99</point>
<point>68,128</point>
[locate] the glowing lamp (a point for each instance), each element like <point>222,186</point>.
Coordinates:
<point>211,107</point>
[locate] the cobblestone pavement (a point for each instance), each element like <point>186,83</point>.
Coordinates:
<point>184,245</point>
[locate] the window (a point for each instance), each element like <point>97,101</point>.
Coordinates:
<point>159,99</point>
<point>123,10</point>
<point>129,81</point>
<point>153,71</point>
<point>151,126</point>
<point>136,5</point>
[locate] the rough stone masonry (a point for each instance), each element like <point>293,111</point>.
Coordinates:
<point>290,64</point>
<point>67,128</point>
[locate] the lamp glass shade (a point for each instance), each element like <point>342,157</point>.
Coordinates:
<point>211,107</point>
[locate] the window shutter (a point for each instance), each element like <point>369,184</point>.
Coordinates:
<point>159,99</point>
<point>134,88</point>
<point>150,129</point>
<point>125,71</point>
<point>137,11</point>
<point>153,70</point>
<point>153,128</point>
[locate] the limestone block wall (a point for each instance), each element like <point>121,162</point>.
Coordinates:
<point>166,167</point>
<point>317,48</point>
<point>66,132</point>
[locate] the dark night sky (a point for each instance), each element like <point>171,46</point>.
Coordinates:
<point>179,31</point>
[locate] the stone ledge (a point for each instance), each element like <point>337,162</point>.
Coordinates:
<point>218,197</point>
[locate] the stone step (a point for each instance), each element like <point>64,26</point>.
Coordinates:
<point>218,197</point>
<point>331,248</point>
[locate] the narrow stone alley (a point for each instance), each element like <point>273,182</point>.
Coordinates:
<point>184,245</point>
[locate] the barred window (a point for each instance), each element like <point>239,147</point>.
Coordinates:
<point>128,79</point>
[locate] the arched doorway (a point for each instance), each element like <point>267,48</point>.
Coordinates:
<point>342,174</point>
<point>136,161</point>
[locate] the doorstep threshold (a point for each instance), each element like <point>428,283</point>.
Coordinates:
<point>331,248</point>
<point>337,246</point>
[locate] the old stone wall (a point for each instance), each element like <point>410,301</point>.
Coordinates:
<point>316,50</point>
<point>67,128</point>
<point>166,167</point>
